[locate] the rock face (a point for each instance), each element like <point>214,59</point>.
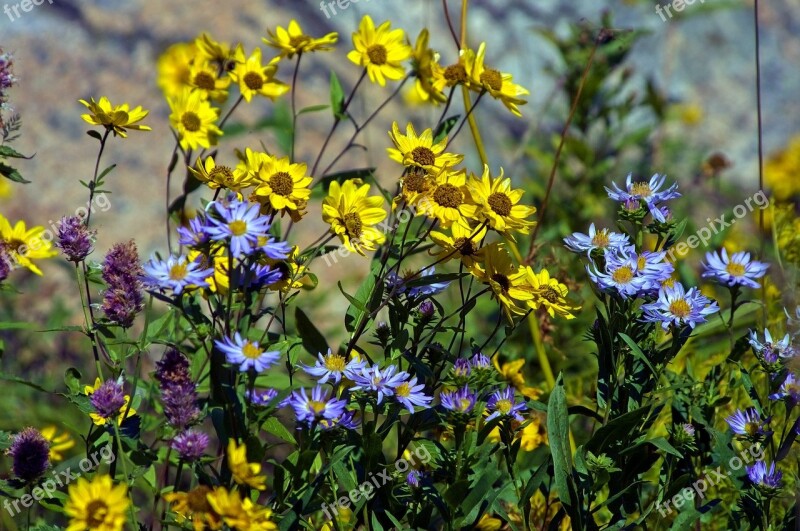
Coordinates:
<point>66,50</point>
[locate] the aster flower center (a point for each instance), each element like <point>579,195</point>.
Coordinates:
<point>191,122</point>
<point>455,73</point>
<point>503,281</point>
<point>735,269</point>
<point>448,196</point>
<point>238,227</point>
<point>335,363</point>
<point>423,156</point>
<point>221,175</point>
<point>641,189</point>
<point>205,81</point>
<point>503,406</point>
<point>253,80</point>
<point>464,404</point>
<point>96,513</point>
<point>353,225</point>
<point>251,350</point>
<point>500,203</point>
<point>178,271</point>
<point>623,275</point>
<point>492,79</point>
<point>377,54</point>
<point>752,428</point>
<point>281,183</point>
<point>316,407</point>
<point>403,390</point>
<point>680,308</point>
<point>601,239</point>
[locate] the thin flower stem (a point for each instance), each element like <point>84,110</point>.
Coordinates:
<point>93,182</point>
<point>294,104</point>
<point>121,456</point>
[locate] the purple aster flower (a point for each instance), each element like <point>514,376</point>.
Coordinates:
<point>747,423</point>
<point>30,454</point>
<point>190,445</point>
<point>760,476</point>
<point>653,267</point>
<point>5,262</point>
<point>347,421</point>
<point>480,361</point>
<point>261,398</point>
<point>74,239</point>
<point>399,284</point>
<point>426,309</point>
<point>789,390</point>
<point>648,192</point>
<point>412,479</point>
<point>178,391</point>
<point>265,275</point>
<point>319,406</point>
<point>376,381</point>
<point>676,306</point>
<point>770,350</point>
<point>122,273</point>
<point>196,234</point>
<point>620,275</point>
<point>602,240</point>
<point>247,354</point>
<point>736,270</point>
<point>108,399</point>
<point>462,367</point>
<point>274,249</point>
<point>502,403</point>
<point>333,366</point>
<point>409,393</point>
<point>460,401</point>
<point>176,273</point>
<point>241,224</point>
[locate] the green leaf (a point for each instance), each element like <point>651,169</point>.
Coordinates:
<point>273,425</point>
<point>558,433</point>
<point>313,340</point>
<point>366,299</point>
<point>445,127</point>
<point>312,108</point>
<point>10,173</point>
<point>8,151</point>
<point>105,172</point>
<point>337,97</point>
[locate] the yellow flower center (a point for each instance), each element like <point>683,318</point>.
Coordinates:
<point>205,81</point>
<point>281,183</point>
<point>14,245</point>
<point>423,156</point>
<point>735,269</point>
<point>503,281</point>
<point>96,512</point>
<point>221,175</point>
<point>377,54</point>
<point>191,122</point>
<point>403,390</point>
<point>465,246</point>
<point>623,275</point>
<point>641,189</point>
<point>316,406</point>
<point>353,225</point>
<point>751,428</point>
<point>492,78</point>
<point>503,406</point>
<point>500,203</point>
<point>334,362</point>
<point>238,227</point>
<point>197,500</point>
<point>448,196</point>
<point>463,404</point>
<point>550,294</point>
<point>178,271</point>
<point>251,350</point>
<point>601,239</point>
<point>416,181</point>
<point>253,80</point>
<point>299,41</point>
<point>455,73</point>
<point>680,308</point>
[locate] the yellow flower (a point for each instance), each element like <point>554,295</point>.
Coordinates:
<point>100,421</point>
<point>427,70</point>
<point>455,74</point>
<point>204,78</point>
<point>174,68</point>
<point>549,294</point>
<point>512,373</point>
<point>58,442</point>
<point>244,473</point>
<point>117,118</point>
<point>416,181</point>
<point>508,283</point>
<point>250,162</point>
<point>690,113</point>
<point>284,185</point>
<point>5,189</point>
<point>344,519</point>
<point>220,176</point>
<point>195,507</point>
<point>420,151</point>
<point>219,281</point>
<point>380,50</point>
<point>194,120</point>
<point>97,504</point>
<point>448,201</point>
<point>292,40</point>
<point>255,78</point>
<point>219,54</point>
<point>240,514</point>
<point>498,204</point>
<point>463,243</point>
<point>352,215</point>
<point>781,170</point>
<point>489,523</point>
<point>294,274</point>
<point>534,434</point>
<point>499,85</point>
<point>25,245</point>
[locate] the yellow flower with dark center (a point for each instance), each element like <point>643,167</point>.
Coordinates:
<point>240,514</point>
<point>194,119</point>
<point>456,73</point>
<point>219,281</point>
<point>220,176</point>
<point>59,442</point>
<point>415,181</point>
<point>124,411</point>
<point>219,54</point>
<point>419,151</point>
<point>512,373</point>
<point>498,204</point>
<point>507,282</point>
<point>205,78</point>
<point>292,40</point>
<point>255,78</point>
<point>195,507</point>
<point>116,118</point>
<point>353,215</point>
<point>548,293</point>
<point>283,185</point>
<point>23,245</point>
<point>97,504</point>
<point>380,50</point>
<point>427,70</point>
<point>448,200</point>
<point>174,68</point>
<point>463,243</point>
<point>500,85</point>
<point>244,472</point>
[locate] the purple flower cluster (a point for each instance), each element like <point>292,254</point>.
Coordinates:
<point>677,306</point>
<point>647,192</point>
<point>122,273</point>
<point>772,351</point>
<point>74,239</point>
<point>629,274</point>
<point>391,383</point>
<point>190,445</point>
<point>176,273</point>
<point>30,454</point>
<point>763,477</point>
<point>460,401</point>
<point>108,399</point>
<point>7,80</point>
<point>178,391</point>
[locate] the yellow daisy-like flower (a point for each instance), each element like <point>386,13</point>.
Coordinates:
<point>195,507</point>
<point>219,281</point>
<point>549,294</point>
<point>24,245</point>
<point>420,151</point>
<point>292,40</point>
<point>174,68</point>
<point>512,373</point>
<point>380,50</point>
<point>508,283</point>
<point>97,504</point>
<point>499,85</point>
<point>294,274</point>
<point>241,514</point>
<point>352,215</point>
<point>448,201</point>
<point>344,520</point>
<point>498,204</point>
<point>59,442</point>
<point>255,78</point>
<point>204,78</point>
<point>285,186</point>
<point>456,73</point>
<point>415,182</point>
<point>115,118</point>
<point>534,434</point>
<point>219,54</point>
<point>427,70</point>
<point>194,119</point>
<point>244,472</point>
<point>463,243</point>
<point>220,176</point>
<point>100,421</point>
